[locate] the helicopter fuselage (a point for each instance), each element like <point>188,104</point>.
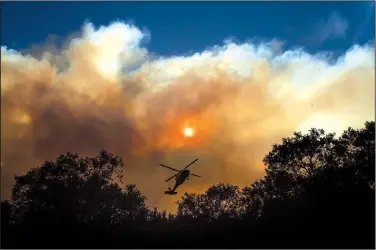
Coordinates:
<point>181,177</point>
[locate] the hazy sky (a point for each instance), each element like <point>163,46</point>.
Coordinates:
<point>129,77</point>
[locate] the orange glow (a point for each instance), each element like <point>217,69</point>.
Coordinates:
<point>175,134</point>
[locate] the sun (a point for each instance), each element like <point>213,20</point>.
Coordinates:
<point>189,132</point>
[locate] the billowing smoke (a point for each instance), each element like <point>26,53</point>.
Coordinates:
<point>104,90</point>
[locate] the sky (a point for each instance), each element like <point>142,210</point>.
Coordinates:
<point>131,76</point>
<point>181,27</point>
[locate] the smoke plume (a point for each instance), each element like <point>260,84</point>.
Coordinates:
<point>104,90</point>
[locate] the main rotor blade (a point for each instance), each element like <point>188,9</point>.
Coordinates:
<point>196,175</point>
<point>169,167</point>
<point>190,164</point>
<point>171,178</point>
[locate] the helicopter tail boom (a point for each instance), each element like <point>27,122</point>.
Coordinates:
<point>171,177</point>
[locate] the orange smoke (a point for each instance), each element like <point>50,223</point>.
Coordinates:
<point>105,91</point>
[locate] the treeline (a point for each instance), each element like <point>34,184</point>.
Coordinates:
<point>318,192</point>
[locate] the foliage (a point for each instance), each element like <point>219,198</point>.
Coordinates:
<point>78,189</point>
<point>219,201</point>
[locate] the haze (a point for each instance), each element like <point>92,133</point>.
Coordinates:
<point>104,90</point>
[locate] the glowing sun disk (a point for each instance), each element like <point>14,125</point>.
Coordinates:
<point>189,132</point>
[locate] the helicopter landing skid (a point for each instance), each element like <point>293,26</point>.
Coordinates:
<point>170,192</point>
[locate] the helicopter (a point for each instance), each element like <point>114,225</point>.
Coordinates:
<point>180,177</point>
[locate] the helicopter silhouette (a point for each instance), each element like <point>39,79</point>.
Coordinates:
<point>180,177</point>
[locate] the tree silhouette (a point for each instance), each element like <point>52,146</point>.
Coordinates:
<point>289,164</point>
<point>219,201</point>
<point>356,150</point>
<point>77,189</point>
<point>6,214</point>
<point>318,191</point>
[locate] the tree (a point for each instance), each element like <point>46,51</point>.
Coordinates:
<point>76,189</point>
<point>296,159</point>
<point>314,164</point>
<point>219,201</point>
<point>354,168</point>
<point>356,149</point>
<point>6,213</point>
<point>253,198</point>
